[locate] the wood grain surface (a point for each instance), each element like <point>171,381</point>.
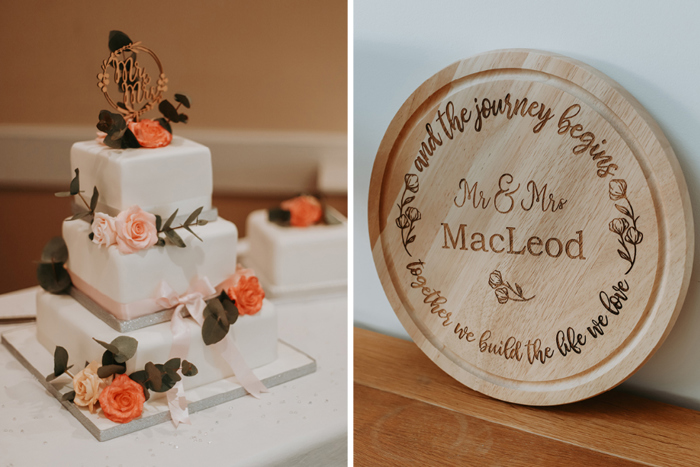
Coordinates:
<point>407,411</point>
<point>531,226</point>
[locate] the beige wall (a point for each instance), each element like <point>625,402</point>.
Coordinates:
<point>273,65</point>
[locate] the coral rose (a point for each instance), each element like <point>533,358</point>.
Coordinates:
<point>122,401</point>
<point>136,230</point>
<point>104,229</point>
<point>88,386</point>
<point>150,134</point>
<point>246,291</point>
<point>305,210</point>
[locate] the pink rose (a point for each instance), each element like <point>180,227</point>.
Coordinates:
<point>104,229</point>
<point>150,134</point>
<point>136,230</point>
<point>244,288</point>
<point>122,401</point>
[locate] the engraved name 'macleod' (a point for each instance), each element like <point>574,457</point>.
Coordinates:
<point>456,238</point>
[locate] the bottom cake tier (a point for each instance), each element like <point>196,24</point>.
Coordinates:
<point>61,321</point>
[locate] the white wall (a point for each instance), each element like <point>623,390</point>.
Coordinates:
<point>652,48</point>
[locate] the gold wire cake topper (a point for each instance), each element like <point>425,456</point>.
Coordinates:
<point>125,128</point>
<point>139,95</point>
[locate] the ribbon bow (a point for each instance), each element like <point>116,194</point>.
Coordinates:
<point>193,299</point>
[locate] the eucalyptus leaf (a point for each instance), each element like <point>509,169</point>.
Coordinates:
<point>230,308</point>
<point>160,242</point>
<point>154,377</point>
<point>170,220</point>
<point>165,124</point>
<point>69,396</point>
<point>126,348</point>
<point>187,228</point>
<point>53,277</point>
<point>111,347</point>
<point>183,118</point>
<point>169,111</point>
<point>93,200</point>
<point>117,40</point>
<point>159,222</point>
<point>60,361</point>
<point>80,215</point>
<point>175,239</point>
<point>105,121</point>
<point>188,369</point>
<point>182,99</point>
<point>129,140</point>
<point>55,251</point>
<point>75,183</point>
<point>167,383</point>
<point>202,222</point>
<point>108,370</point>
<point>172,364</point>
<point>140,376</point>
<point>191,218</point>
<point>213,330</point>
<point>278,215</point>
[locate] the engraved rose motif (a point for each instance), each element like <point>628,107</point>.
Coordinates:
<point>502,287</point>
<point>495,279</point>
<point>410,215</point>
<point>411,181</point>
<point>618,189</point>
<point>502,295</point>
<point>402,221</point>
<point>618,226</point>
<point>629,235</point>
<point>634,236</point>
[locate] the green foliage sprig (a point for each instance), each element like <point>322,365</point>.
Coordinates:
<point>75,190</point>
<point>221,312</point>
<point>154,377</point>
<point>51,272</point>
<point>169,231</point>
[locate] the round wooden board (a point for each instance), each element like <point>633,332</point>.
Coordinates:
<point>531,226</point>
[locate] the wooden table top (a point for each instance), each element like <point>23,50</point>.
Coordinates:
<point>409,412</point>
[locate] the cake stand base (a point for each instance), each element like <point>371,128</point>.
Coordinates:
<point>23,345</point>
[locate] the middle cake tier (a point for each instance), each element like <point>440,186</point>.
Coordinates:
<point>127,285</point>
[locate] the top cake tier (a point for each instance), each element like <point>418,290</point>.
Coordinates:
<point>178,176</point>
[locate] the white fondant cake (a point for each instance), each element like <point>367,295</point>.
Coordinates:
<point>157,180</point>
<point>62,321</point>
<point>304,257</point>
<point>131,278</point>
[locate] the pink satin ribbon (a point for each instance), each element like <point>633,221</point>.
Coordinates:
<point>193,299</point>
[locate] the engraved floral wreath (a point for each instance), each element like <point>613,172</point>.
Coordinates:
<point>103,80</point>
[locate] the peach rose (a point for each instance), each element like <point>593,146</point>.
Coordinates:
<point>122,401</point>
<point>246,291</point>
<point>150,134</point>
<point>88,386</point>
<point>305,210</point>
<point>104,229</point>
<point>136,230</point>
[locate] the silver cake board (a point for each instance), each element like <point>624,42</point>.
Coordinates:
<point>121,325</point>
<point>22,343</point>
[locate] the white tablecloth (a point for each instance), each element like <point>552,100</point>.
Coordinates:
<point>303,422</point>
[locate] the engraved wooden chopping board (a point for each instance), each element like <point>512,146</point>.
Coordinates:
<point>531,226</point>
